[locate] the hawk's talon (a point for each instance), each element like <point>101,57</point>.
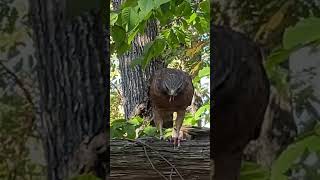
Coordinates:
<point>176,142</point>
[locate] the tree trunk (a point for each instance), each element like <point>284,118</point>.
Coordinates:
<point>71,72</point>
<point>134,160</point>
<point>135,81</point>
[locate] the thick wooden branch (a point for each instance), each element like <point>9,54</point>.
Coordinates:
<point>136,159</point>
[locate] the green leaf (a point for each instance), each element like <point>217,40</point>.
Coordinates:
<point>187,10</point>
<point>135,30</point>
<point>305,31</point>
<point>118,123</point>
<point>201,110</point>
<point>125,18</point>
<point>122,48</point>
<point>189,120</point>
<point>146,7</point>
<point>130,18</point>
<point>158,3</point>
<point>205,6</point>
<point>172,39</point>
<point>134,18</point>
<point>116,133</point>
<point>179,9</point>
<point>150,131</point>
<point>151,50</point>
<point>277,57</point>
<point>129,3</point>
<point>181,35</point>
<point>147,54</point>
<point>192,18</point>
<point>204,72</point>
<point>288,157</point>
<point>204,25</point>
<point>157,47</point>
<point>136,121</point>
<point>163,14</point>
<point>113,18</point>
<point>131,131</point>
<point>201,24</point>
<point>137,61</point>
<point>252,171</point>
<point>118,34</point>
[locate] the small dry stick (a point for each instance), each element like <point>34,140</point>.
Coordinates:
<point>145,151</point>
<point>144,144</point>
<point>171,173</point>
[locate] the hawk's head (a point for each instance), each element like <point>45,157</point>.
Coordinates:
<point>172,85</point>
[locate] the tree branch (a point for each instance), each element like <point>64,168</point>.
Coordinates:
<point>130,160</point>
<point>19,83</point>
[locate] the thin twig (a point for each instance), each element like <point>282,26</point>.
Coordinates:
<point>145,151</point>
<point>118,90</point>
<point>19,83</point>
<point>171,173</point>
<point>144,144</point>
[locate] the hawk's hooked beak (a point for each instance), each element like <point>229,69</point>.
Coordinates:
<point>171,92</point>
<point>171,95</point>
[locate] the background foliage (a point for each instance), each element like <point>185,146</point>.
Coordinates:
<point>17,127</point>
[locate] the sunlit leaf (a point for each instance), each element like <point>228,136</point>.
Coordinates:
<point>204,72</point>
<point>192,18</point>
<point>113,18</point>
<point>145,7</point>
<point>304,32</point>
<point>150,131</point>
<point>136,121</point>
<point>201,110</point>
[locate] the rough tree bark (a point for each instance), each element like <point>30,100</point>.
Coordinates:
<point>134,160</point>
<point>277,132</point>
<point>71,72</point>
<point>135,81</point>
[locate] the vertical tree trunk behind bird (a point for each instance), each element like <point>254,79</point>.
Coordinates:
<point>135,81</point>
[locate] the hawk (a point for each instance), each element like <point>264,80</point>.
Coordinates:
<point>171,90</point>
<point>241,94</point>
